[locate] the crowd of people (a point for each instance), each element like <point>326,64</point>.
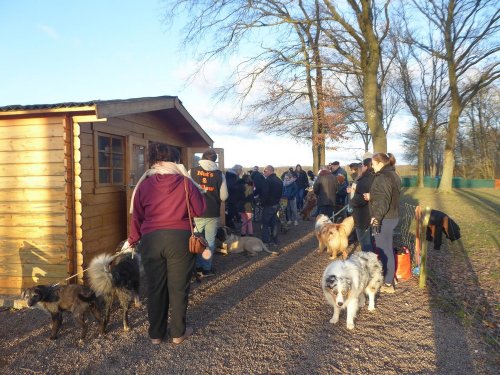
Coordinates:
<point>159,217</point>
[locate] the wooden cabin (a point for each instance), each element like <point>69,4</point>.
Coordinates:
<point>66,174</point>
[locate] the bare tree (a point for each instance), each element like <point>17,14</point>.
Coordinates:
<point>357,37</point>
<point>423,87</point>
<point>468,30</point>
<point>286,70</point>
<point>478,147</point>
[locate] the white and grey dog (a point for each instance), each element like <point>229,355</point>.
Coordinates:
<point>345,283</point>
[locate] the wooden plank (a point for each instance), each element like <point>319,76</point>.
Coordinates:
<point>97,199</point>
<point>42,248</point>
<point>33,181</point>
<point>32,195</point>
<point>106,243</point>
<point>28,233</point>
<point>35,131</point>
<point>32,121</point>
<point>15,284</point>
<point>86,139</point>
<point>103,231</point>
<point>56,219</point>
<point>31,157</point>
<point>30,258</point>
<point>33,270</point>
<point>31,143</point>
<point>45,169</point>
<point>103,209</point>
<point>32,207</point>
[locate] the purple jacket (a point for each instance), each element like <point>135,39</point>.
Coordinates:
<point>160,203</point>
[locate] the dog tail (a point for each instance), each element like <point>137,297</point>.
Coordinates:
<point>100,278</point>
<point>264,247</point>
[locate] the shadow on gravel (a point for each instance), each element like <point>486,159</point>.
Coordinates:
<point>213,298</point>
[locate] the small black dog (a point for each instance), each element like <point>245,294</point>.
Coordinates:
<point>119,275</point>
<point>77,299</point>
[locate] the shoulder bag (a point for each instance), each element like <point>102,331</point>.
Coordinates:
<point>197,243</point>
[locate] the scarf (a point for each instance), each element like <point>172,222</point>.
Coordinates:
<point>162,167</point>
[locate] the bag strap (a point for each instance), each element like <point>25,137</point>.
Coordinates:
<point>188,208</point>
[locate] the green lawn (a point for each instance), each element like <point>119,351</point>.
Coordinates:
<point>463,277</point>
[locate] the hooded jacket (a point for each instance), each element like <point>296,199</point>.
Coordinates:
<point>160,203</point>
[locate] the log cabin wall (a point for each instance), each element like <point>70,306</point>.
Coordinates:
<point>104,208</point>
<point>34,215</point>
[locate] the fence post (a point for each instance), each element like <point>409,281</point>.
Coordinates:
<point>424,243</point>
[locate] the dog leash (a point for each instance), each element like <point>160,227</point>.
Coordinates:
<point>83,271</point>
<point>338,212</point>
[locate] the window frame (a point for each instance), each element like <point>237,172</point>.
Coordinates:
<point>107,187</point>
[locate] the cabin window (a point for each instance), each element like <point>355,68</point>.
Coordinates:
<point>111,159</point>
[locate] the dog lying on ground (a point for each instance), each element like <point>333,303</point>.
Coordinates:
<point>222,235</point>
<point>309,205</point>
<point>77,299</point>
<point>119,275</point>
<point>335,237</point>
<point>345,284</point>
<point>252,245</point>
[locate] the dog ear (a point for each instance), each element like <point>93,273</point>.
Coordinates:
<point>331,281</point>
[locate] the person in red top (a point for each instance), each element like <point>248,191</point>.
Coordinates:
<point>159,220</point>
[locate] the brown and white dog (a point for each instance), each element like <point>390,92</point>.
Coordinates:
<point>77,299</point>
<point>334,237</point>
<point>309,205</point>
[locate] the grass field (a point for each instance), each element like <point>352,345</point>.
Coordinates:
<point>464,275</point>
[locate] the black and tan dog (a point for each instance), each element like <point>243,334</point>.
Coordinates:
<point>77,299</point>
<point>119,275</point>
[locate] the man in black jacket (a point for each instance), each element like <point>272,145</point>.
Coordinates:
<point>270,196</point>
<point>325,187</point>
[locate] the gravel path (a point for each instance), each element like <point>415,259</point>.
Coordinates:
<point>260,315</point>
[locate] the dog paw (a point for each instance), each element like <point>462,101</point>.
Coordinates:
<point>371,308</point>
<point>334,321</point>
<point>350,326</point>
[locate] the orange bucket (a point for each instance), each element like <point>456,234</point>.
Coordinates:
<point>403,265</point>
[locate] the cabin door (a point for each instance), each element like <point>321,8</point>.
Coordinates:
<point>137,163</point>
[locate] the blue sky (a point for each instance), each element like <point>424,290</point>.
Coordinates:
<point>69,50</point>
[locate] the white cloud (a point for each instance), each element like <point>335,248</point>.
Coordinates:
<point>49,31</point>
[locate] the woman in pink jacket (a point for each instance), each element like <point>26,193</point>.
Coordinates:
<point>159,219</point>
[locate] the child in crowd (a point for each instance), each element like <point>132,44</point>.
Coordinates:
<point>246,207</point>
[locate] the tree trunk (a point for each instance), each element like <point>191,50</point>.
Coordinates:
<point>422,140</point>
<point>449,156</point>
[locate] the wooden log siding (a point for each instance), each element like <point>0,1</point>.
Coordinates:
<point>33,203</point>
<point>103,214</point>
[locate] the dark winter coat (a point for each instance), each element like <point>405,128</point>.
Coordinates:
<point>302,180</point>
<point>258,181</point>
<point>325,187</point>
<point>272,190</point>
<point>384,194</point>
<point>360,207</point>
